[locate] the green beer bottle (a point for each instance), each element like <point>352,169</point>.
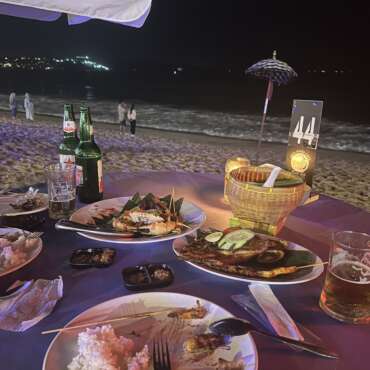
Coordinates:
<point>70,141</point>
<point>89,169</point>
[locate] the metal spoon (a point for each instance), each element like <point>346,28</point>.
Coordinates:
<point>92,229</point>
<point>234,327</point>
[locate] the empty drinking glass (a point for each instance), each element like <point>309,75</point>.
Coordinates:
<point>62,190</point>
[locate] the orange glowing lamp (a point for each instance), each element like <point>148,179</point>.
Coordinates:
<point>233,164</point>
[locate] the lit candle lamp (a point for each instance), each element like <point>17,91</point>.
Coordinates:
<point>232,164</point>
<point>300,161</point>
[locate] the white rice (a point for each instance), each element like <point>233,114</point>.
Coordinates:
<point>101,348</point>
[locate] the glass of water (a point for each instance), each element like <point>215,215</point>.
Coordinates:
<point>61,190</point>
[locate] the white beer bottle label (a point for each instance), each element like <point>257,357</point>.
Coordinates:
<point>66,159</point>
<point>69,126</point>
<point>100,176</point>
<point>79,175</point>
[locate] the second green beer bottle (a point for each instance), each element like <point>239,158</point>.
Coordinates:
<point>89,168</point>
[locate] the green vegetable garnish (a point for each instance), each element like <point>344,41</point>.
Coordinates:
<point>214,237</point>
<point>131,203</point>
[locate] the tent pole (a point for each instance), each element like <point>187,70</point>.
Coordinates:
<point>261,134</point>
<point>268,97</point>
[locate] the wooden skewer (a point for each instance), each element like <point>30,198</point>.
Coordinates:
<point>173,201</point>
<point>184,225</point>
<point>313,265</point>
<point>135,316</point>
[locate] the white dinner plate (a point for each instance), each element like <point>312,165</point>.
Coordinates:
<point>64,346</point>
<point>31,255</point>
<point>7,210</point>
<point>190,213</point>
<point>296,278</point>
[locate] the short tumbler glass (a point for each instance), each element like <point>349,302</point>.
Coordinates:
<point>61,190</point>
<point>346,292</point>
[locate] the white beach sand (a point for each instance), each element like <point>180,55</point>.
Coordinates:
<point>25,148</point>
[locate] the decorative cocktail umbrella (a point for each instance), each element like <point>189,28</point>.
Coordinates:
<point>131,13</point>
<point>275,71</point>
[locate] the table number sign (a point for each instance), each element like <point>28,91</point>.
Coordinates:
<point>303,137</point>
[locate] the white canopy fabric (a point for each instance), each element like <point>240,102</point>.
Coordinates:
<point>127,12</point>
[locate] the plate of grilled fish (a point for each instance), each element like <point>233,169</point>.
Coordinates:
<point>243,255</point>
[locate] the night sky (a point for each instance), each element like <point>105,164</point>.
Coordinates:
<point>312,33</point>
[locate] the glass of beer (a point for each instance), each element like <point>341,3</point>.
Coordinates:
<point>346,292</point>
<point>61,190</point>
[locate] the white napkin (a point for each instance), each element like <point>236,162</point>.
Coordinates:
<point>278,317</point>
<point>269,183</point>
<point>30,304</point>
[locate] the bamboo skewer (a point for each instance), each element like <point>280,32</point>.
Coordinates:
<point>182,258</point>
<point>135,316</point>
<point>173,201</point>
<point>313,265</point>
<point>184,225</point>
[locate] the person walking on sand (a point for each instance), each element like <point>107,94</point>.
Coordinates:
<point>28,106</point>
<point>122,116</point>
<point>13,106</point>
<point>131,115</point>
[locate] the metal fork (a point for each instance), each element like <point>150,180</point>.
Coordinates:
<point>34,235</point>
<point>161,355</point>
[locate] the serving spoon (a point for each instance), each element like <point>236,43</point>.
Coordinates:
<point>235,327</point>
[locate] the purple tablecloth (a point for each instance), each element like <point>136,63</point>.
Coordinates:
<point>309,225</point>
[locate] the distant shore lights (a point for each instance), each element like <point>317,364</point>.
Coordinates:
<point>52,63</point>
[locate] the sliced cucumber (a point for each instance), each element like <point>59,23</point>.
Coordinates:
<point>236,239</point>
<point>214,237</point>
<point>225,245</point>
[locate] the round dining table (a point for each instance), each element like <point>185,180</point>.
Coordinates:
<point>309,225</point>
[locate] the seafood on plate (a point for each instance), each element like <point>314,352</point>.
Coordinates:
<point>149,215</point>
<point>241,252</point>
<point>15,249</point>
<point>197,312</point>
<point>29,201</point>
<point>204,343</point>
<point>237,364</point>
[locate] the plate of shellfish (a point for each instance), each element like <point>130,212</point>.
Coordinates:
<point>136,219</point>
<point>17,249</point>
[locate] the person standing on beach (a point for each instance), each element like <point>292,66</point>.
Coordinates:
<point>122,116</point>
<point>131,115</point>
<point>28,107</point>
<point>13,106</point>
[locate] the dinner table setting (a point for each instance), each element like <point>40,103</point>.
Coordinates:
<point>178,270</point>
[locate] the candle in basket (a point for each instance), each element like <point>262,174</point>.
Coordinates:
<point>232,164</point>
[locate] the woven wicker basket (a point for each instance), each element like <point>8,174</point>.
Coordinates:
<point>259,208</point>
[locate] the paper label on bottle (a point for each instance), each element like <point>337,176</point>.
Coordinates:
<point>100,176</point>
<point>79,175</point>
<point>69,126</point>
<point>65,159</point>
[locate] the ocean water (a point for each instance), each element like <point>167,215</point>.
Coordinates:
<point>336,135</point>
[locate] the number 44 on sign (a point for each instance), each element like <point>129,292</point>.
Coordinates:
<point>308,134</point>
